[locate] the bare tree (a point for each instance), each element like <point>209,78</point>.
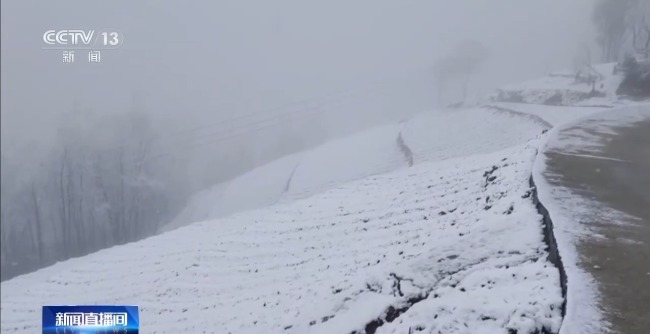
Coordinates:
<point>64,208</point>
<point>98,188</point>
<point>4,238</point>
<point>460,66</point>
<point>40,241</point>
<point>610,17</point>
<point>641,36</point>
<point>4,205</point>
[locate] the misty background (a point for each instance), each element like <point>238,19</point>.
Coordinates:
<point>95,155</point>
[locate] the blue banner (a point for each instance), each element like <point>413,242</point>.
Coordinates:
<point>90,319</point>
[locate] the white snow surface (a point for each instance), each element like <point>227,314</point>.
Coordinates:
<point>456,133</point>
<point>554,115</point>
<point>260,187</point>
<point>371,152</point>
<point>563,85</point>
<point>587,138</point>
<point>463,234</point>
<point>299,175</point>
<point>565,80</point>
<point>432,136</point>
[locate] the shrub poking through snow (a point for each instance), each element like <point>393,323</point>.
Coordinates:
<point>636,81</point>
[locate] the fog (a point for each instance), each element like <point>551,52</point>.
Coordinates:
<point>222,81</point>
<point>211,60</point>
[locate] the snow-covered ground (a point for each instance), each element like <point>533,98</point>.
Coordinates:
<point>351,158</point>
<point>562,88</point>
<point>455,133</point>
<point>451,245</point>
<point>554,115</point>
<point>258,188</point>
<point>459,239</point>
<point>433,136</point>
<point>298,176</point>
<point>454,246</point>
<point>587,139</point>
<point>566,80</point>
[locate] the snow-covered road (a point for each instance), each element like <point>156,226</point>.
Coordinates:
<point>592,176</point>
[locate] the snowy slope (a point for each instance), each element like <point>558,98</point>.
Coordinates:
<point>553,115</point>
<point>582,141</point>
<point>201,206</point>
<point>566,80</point>
<point>456,133</point>
<point>299,175</point>
<point>458,239</point>
<point>432,136</point>
<point>450,245</point>
<point>260,187</point>
<point>561,88</point>
<point>371,152</point>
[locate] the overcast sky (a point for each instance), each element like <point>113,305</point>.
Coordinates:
<point>209,60</point>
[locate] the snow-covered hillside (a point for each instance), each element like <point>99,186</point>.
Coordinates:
<point>453,246</point>
<point>433,136</point>
<point>553,115</point>
<point>443,135</point>
<point>566,88</point>
<point>299,175</point>
<point>260,187</point>
<point>369,153</point>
